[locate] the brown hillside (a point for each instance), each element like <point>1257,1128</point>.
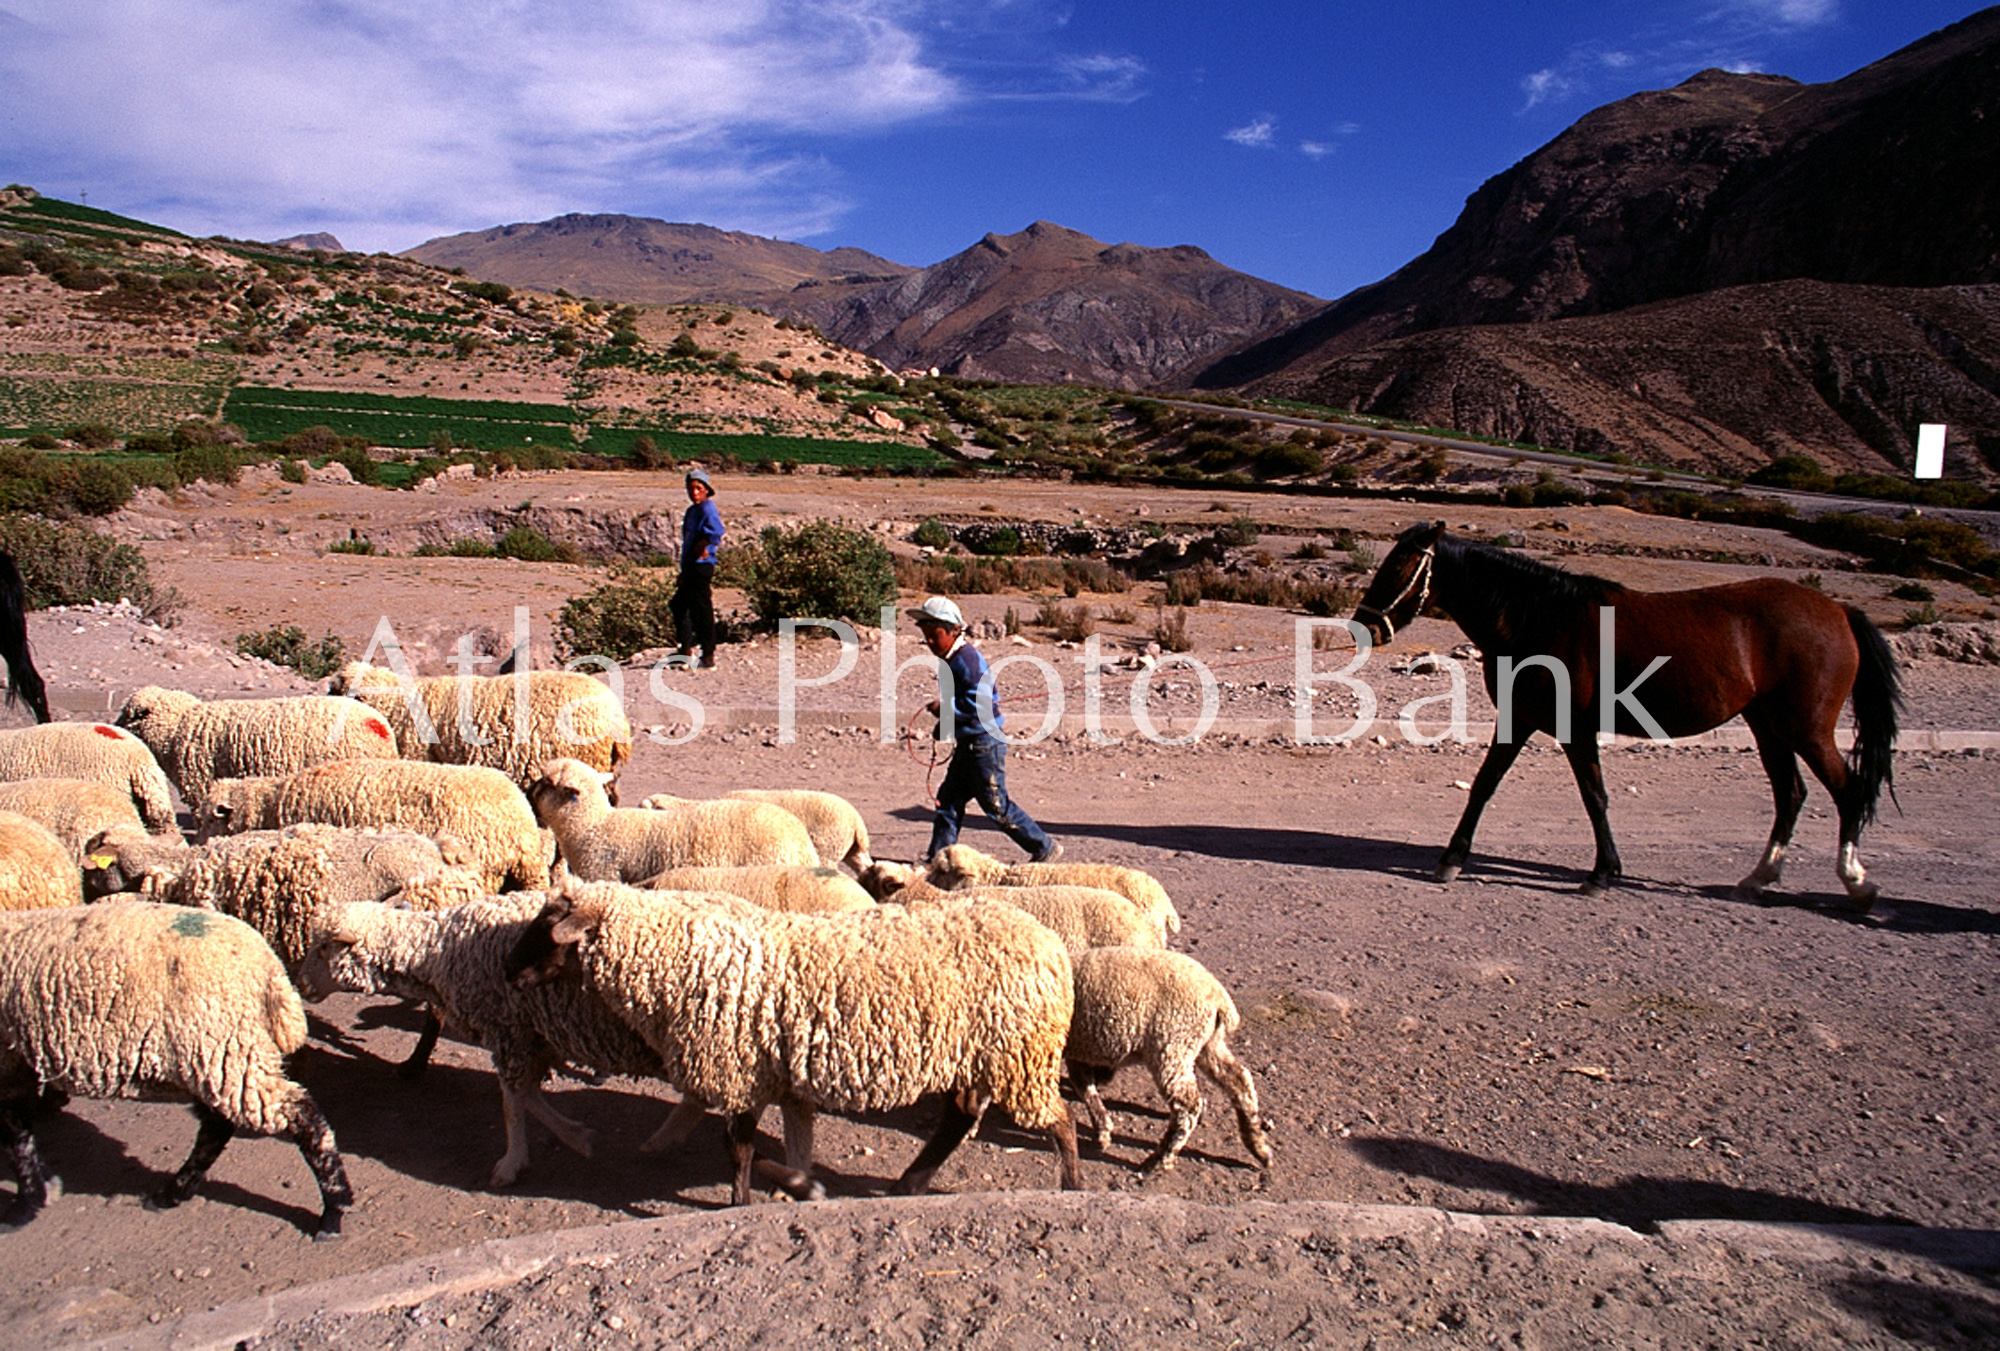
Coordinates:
<point>1723,381</point>
<point>1053,305</point>
<point>1890,176</point>
<point>634,260</point>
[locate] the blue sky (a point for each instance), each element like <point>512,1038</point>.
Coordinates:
<point>1320,146</point>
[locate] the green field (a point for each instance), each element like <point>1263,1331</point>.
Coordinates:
<point>267,414</point>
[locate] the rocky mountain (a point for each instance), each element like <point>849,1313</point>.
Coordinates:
<point>1888,178</point>
<point>631,259</point>
<point>1724,381</point>
<point>1053,305</point>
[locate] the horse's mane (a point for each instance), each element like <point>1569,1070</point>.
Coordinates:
<point>1499,580</point>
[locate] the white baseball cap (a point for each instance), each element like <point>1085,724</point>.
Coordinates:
<point>938,610</point>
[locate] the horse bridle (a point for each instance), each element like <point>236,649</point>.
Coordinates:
<point>1420,582</point>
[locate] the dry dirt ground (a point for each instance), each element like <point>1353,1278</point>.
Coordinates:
<point>1502,1114</point>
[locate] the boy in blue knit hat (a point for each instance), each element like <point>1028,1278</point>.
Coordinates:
<point>978,768</point>
<point>693,603</point>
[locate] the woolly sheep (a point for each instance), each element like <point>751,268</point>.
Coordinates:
<point>76,810</point>
<point>274,880</point>
<point>477,720</point>
<point>602,843</point>
<point>130,1000</point>
<point>199,742</point>
<point>961,865</point>
<point>865,1011</point>
<point>1083,917</point>
<point>36,871</point>
<point>1163,1010</point>
<point>819,890</point>
<point>91,750</point>
<point>481,808</point>
<point>836,827</point>
<point>452,959</point>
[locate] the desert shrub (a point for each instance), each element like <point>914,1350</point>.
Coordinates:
<point>1002,543</point>
<point>647,454</point>
<point>287,645</point>
<point>1240,532</point>
<point>68,563</point>
<point>1917,618</point>
<point>215,463</point>
<point>532,546</point>
<point>821,570</point>
<point>1913,591</point>
<point>91,435</point>
<point>1793,471</point>
<point>1285,459</point>
<point>351,546</point>
<point>1310,551</point>
<point>96,489</point>
<point>626,615</point>
<point>932,534</point>
<point>1069,623</point>
<point>1171,631</point>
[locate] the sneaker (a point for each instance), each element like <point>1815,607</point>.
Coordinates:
<point>708,661</point>
<point>1050,854</point>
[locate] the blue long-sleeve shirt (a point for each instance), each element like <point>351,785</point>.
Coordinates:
<point>701,533</point>
<point>969,675</point>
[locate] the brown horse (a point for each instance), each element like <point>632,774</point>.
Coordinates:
<point>1780,654</point>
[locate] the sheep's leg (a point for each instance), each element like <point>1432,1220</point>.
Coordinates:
<point>1183,1097</point>
<point>794,1176</point>
<point>427,1041</point>
<point>1229,1074</point>
<point>951,1132</point>
<point>315,1141</point>
<point>514,1117</point>
<point>742,1154</point>
<point>19,1142</point>
<point>214,1132</point>
<point>1090,1078</point>
<point>1062,1134</point>
<point>573,1134</point>
<point>686,1115</point>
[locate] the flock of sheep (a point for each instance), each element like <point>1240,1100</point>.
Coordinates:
<point>459,843</point>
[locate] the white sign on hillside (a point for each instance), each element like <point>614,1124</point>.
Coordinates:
<point>1930,450</point>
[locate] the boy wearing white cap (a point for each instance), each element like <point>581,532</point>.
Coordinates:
<point>978,768</point>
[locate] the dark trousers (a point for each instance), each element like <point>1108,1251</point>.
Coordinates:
<point>978,773</point>
<point>693,609</point>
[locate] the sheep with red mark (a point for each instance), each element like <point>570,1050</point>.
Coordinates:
<point>96,751</point>
<point>198,742</point>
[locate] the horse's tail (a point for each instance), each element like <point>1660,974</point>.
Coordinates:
<point>1878,698</point>
<point>23,680</point>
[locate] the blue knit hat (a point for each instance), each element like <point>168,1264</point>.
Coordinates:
<point>700,475</point>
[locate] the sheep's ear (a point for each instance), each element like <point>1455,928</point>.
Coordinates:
<point>570,930</point>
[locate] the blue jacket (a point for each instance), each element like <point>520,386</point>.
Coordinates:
<point>969,676</point>
<point>701,533</point>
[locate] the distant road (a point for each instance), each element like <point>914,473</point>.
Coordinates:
<point>1985,521</point>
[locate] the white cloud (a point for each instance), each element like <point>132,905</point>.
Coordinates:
<point>1791,13</point>
<point>387,118</point>
<point>1256,133</point>
<point>1543,86</point>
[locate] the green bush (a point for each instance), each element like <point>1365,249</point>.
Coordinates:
<point>1913,591</point>
<point>820,570</point>
<point>932,534</point>
<point>532,546</point>
<point>287,645</point>
<point>1241,532</point>
<point>68,563</point>
<point>215,463</point>
<point>351,546</point>
<point>91,435</point>
<point>628,614</point>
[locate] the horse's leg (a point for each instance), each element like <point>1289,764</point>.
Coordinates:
<point>1823,758</point>
<point>1583,763</point>
<point>1500,757</point>
<point>1788,792</point>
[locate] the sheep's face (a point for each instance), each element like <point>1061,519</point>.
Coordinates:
<point>330,966</point>
<point>546,948</point>
<point>883,879</point>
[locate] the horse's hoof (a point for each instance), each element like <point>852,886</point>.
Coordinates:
<point>1591,891</point>
<point>1447,873</point>
<point>1750,891</point>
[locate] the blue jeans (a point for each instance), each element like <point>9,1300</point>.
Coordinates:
<point>978,773</point>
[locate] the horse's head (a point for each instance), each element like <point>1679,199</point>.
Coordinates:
<point>1397,592</point>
